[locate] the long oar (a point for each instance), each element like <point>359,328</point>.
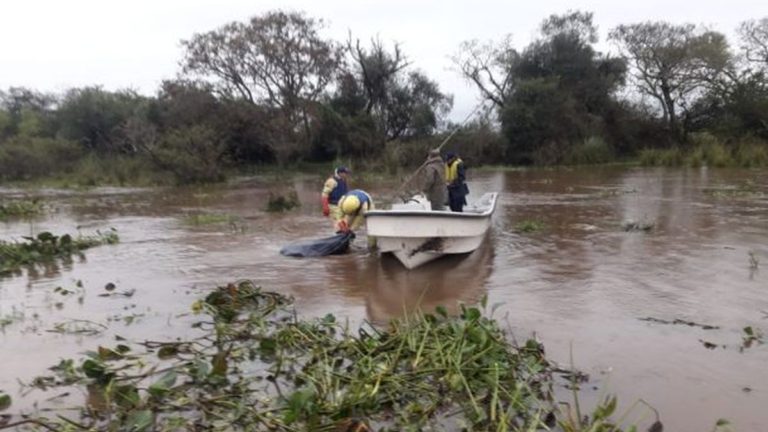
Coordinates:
<point>440,147</point>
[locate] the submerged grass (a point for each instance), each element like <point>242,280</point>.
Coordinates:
<point>47,247</point>
<point>258,367</point>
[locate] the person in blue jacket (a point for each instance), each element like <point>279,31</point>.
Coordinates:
<point>333,189</point>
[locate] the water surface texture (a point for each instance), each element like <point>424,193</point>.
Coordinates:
<point>580,282</point>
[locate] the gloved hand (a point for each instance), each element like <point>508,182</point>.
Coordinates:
<point>326,207</point>
<point>342,226</point>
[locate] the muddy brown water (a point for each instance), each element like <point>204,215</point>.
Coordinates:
<point>581,283</point>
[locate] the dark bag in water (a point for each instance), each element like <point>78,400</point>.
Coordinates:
<point>335,245</point>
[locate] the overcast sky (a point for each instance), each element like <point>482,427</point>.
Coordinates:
<point>52,45</point>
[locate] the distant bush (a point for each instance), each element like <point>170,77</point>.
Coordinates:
<point>751,153</point>
<point>593,150</point>
<point>405,154</point>
<point>193,154</point>
<point>708,150</point>
<point>661,157</point>
<point>91,116</point>
<point>23,158</point>
<point>94,170</point>
<point>280,202</point>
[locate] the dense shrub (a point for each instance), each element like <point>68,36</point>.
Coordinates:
<point>193,154</point>
<point>92,116</point>
<point>751,152</point>
<point>24,158</point>
<point>593,150</point>
<point>661,157</point>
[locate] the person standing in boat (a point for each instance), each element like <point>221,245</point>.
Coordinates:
<point>455,177</point>
<point>333,189</point>
<point>433,185</point>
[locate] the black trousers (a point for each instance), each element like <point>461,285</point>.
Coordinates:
<point>456,200</point>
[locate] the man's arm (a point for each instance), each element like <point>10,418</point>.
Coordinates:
<point>329,186</point>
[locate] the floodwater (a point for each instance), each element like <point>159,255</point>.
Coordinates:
<point>581,283</point>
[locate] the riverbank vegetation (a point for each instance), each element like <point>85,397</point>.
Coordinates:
<point>46,248</point>
<point>256,366</point>
<point>272,90</point>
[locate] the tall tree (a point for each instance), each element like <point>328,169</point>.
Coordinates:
<point>402,104</point>
<point>377,70</point>
<point>562,91</point>
<point>754,41</point>
<point>488,66</point>
<point>414,106</point>
<point>278,59</point>
<point>673,64</point>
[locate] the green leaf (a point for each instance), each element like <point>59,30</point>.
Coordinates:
<point>163,385</point>
<point>442,311</point>
<point>472,314</point>
<point>94,369</point>
<point>722,422</point>
<point>199,369</point>
<point>268,347</point>
<point>46,236</point>
<point>127,396</point>
<point>219,364</point>
<point>5,401</point>
<point>167,352</point>
<point>139,421</point>
<point>299,402</point>
<point>107,354</point>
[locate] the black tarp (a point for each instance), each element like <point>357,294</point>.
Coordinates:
<point>335,245</point>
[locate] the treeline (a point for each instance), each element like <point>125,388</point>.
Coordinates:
<point>272,90</point>
<point>677,88</point>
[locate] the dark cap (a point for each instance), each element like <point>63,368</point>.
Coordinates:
<point>450,155</point>
<point>342,169</point>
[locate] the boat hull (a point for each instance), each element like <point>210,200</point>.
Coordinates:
<point>416,237</point>
<point>413,252</point>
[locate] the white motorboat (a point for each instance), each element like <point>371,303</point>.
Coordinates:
<point>416,234</point>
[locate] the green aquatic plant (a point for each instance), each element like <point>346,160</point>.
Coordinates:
<point>751,336</point>
<point>209,219</point>
<point>256,366</point>
<point>529,226</point>
<point>20,208</point>
<point>13,317</point>
<point>46,247</point>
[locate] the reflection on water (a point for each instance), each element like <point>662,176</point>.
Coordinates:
<point>394,291</point>
<point>580,283</point>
